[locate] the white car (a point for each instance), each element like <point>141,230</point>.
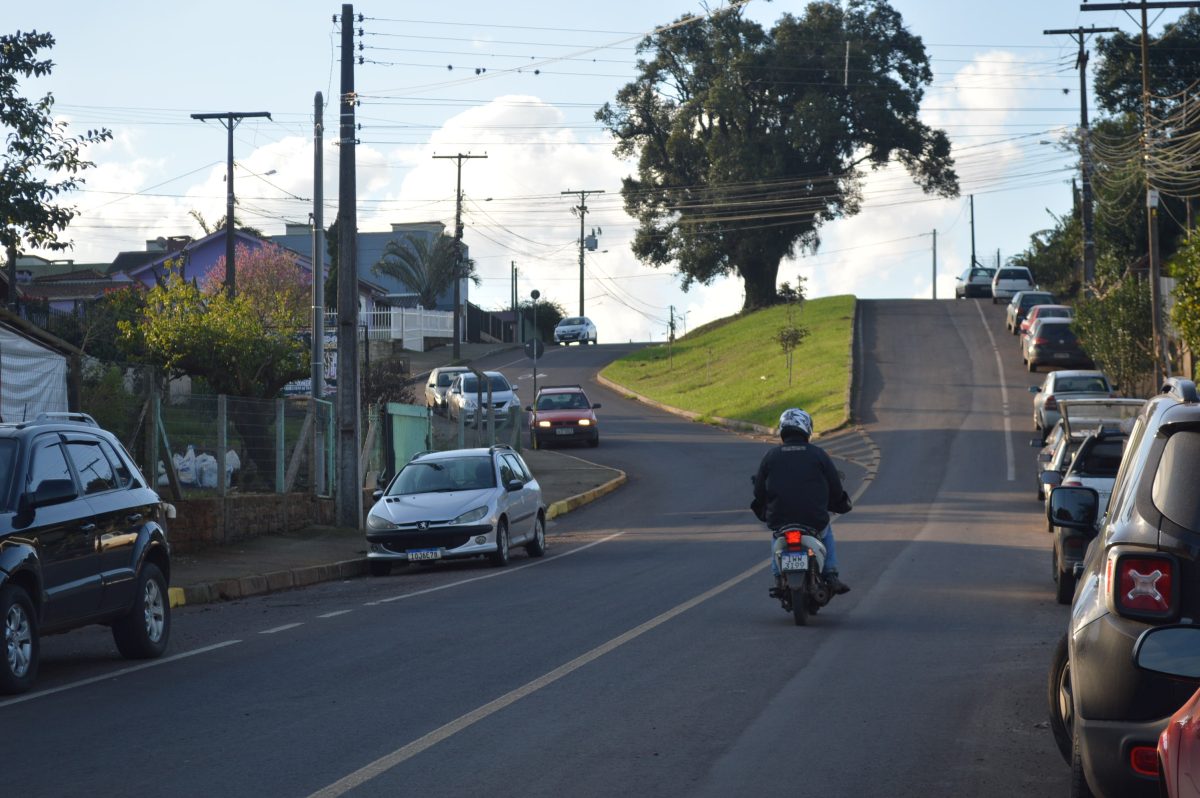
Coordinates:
<point>1062,385</point>
<point>438,383</point>
<point>466,394</point>
<point>578,329</point>
<point>1009,280</point>
<point>460,503</point>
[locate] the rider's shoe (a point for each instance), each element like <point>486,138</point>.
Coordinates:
<point>835,584</point>
<point>777,588</point>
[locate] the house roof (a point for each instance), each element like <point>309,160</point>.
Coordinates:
<point>37,334</point>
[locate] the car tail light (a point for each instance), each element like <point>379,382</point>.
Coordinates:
<point>1040,341</point>
<point>1072,483</point>
<point>1051,403</point>
<point>1142,585</point>
<point>1144,760</point>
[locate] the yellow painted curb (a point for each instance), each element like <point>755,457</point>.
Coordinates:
<point>573,502</point>
<point>176,596</point>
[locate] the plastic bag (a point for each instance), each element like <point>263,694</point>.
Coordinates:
<point>232,464</point>
<point>185,466</point>
<point>206,471</point>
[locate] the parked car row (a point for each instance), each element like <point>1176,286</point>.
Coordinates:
<point>996,284</point>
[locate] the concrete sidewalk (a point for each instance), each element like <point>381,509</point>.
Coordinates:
<point>318,554</point>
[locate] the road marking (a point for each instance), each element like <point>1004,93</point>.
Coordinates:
<point>115,674</point>
<point>283,628</point>
<point>493,574</point>
<point>1008,446</point>
<point>403,754</point>
<point>334,614</point>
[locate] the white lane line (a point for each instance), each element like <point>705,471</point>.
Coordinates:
<point>115,674</point>
<point>334,614</point>
<point>493,574</point>
<point>403,754</point>
<point>1008,446</point>
<point>283,628</point>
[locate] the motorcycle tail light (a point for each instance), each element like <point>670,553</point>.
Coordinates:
<point>792,537</point>
<point>1142,585</point>
<point>1144,760</point>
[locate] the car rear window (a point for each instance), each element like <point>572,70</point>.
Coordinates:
<point>1101,460</point>
<point>1013,274</point>
<point>1174,491</point>
<point>1030,300</point>
<point>1080,385</point>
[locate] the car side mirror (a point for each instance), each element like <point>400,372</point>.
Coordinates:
<point>596,406</point>
<point>1073,508</point>
<point>1169,650</point>
<point>1036,443</point>
<point>377,494</point>
<point>1045,458</point>
<point>528,408</point>
<point>52,491</point>
<point>1051,479</point>
<point>1035,389</point>
<point>514,485</point>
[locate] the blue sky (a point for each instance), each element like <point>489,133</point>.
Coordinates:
<point>1001,89</point>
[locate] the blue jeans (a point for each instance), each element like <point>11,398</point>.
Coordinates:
<point>831,565</point>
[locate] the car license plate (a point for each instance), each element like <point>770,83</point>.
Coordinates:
<point>1063,355</point>
<point>424,554</point>
<point>564,431</point>
<point>793,562</point>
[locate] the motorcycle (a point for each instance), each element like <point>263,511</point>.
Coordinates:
<point>800,559</point>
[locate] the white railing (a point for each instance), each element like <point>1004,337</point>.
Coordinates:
<point>411,326</point>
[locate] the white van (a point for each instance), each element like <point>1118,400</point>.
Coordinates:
<point>1009,280</point>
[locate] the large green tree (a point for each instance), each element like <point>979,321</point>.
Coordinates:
<point>1173,63</point>
<point>40,161</point>
<point>426,266</point>
<point>747,140</point>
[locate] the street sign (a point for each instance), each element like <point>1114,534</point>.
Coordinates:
<point>534,349</point>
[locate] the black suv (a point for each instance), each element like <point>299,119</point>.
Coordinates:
<point>1141,570</point>
<point>82,540</point>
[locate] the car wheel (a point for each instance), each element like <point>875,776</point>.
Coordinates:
<point>1079,785</point>
<point>1032,366</point>
<point>1041,494</point>
<point>143,632</point>
<point>500,555</point>
<point>1061,701</point>
<point>537,546</point>
<point>379,567</point>
<point>18,668</point>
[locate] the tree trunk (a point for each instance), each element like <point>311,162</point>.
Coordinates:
<point>760,289</point>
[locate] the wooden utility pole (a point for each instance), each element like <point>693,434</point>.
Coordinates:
<point>229,120</point>
<point>581,209</point>
<point>458,234</point>
<point>1085,151</point>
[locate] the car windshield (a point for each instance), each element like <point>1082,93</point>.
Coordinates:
<point>471,384</point>
<point>562,401</point>
<point>8,454</point>
<point>445,378</point>
<point>444,476</point>
<point>570,322</point>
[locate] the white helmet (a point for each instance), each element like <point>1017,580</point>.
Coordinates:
<point>796,419</point>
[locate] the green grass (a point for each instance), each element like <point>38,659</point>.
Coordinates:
<point>735,368</point>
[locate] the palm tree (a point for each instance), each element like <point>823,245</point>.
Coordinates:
<point>427,266</point>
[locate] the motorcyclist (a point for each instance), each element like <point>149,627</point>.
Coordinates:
<point>797,483</point>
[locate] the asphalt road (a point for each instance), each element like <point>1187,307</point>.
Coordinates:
<point>642,655</point>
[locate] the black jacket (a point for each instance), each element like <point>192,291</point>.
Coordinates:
<point>797,483</point>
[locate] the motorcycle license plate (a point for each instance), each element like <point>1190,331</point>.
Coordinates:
<point>424,554</point>
<point>793,562</point>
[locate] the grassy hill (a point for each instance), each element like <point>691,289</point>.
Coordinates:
<point>734,368</point>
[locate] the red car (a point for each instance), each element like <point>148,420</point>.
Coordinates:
<point>1173,651</point>
<point>1043,311</point>
<point>562,413</point>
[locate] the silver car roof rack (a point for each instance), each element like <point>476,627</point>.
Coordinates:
<point>53,417</point>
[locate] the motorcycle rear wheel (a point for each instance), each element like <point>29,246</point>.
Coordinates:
<point>799,606</point>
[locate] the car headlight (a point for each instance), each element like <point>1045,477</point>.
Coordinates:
<point>471,515</point>
<point>585,422</point>
<point>543,423</point>
<point>379,523</point>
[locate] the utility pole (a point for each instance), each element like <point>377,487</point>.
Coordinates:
<point>230,120</point>
<point>317,353</point>
<point>974,262</point>
<point>349,500</point>
<point>935,264</point>
<point>516,324</point>
<point>1085,149</point>
<point>458,234</point>
<point>1162,362</point>
<point>581,209</point>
